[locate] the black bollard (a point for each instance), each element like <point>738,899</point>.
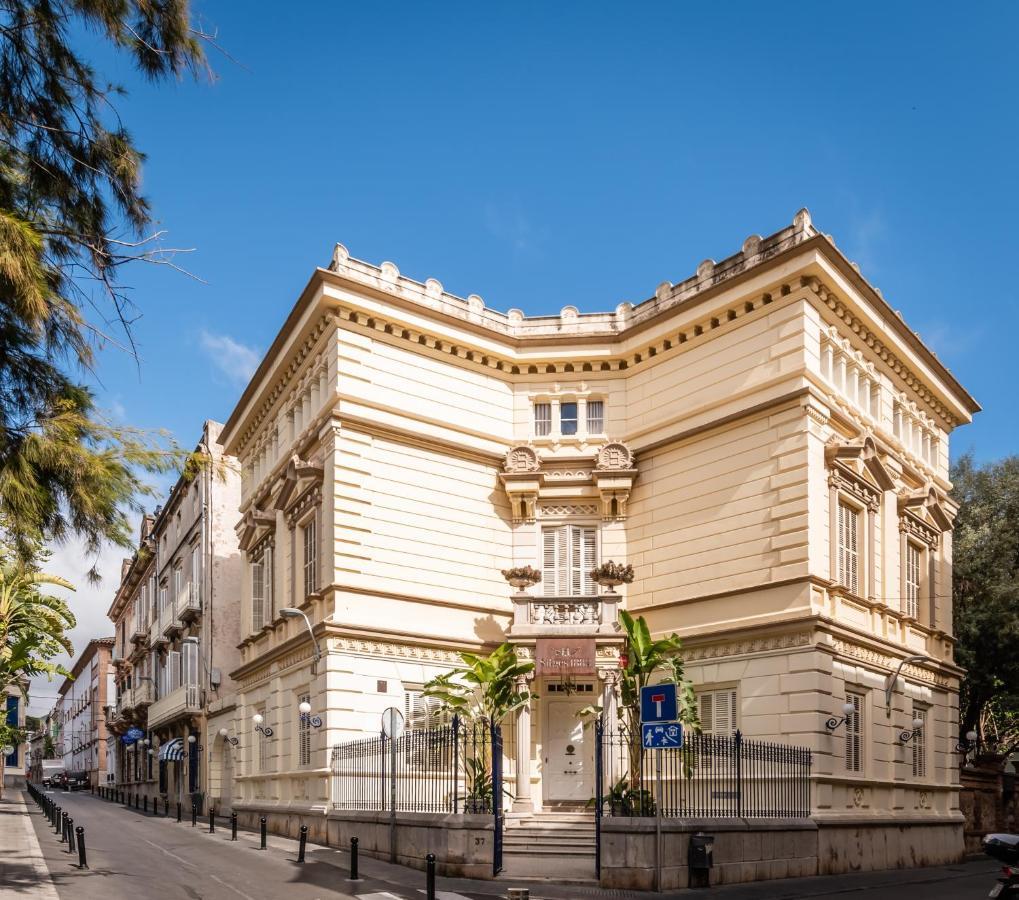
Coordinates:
<point>353,859</point>
<point>194,814</point>
<point>261,830</point>
<point>145,803</point>
<point>63,827</point>
<point>178,809</point>
<point>58,823</point>
<point>233,826</point>
<point>82,863</point>
<point>304,842</point>
<point>430,877</point>
<point>212,820</point>
<point>70,835</point>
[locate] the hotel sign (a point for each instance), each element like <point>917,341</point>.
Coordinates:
<point>564,656</point>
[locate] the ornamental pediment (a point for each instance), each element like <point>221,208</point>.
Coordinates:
<point>526,475</point>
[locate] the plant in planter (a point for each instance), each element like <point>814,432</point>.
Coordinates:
<point>612,574</point>
<point>522,577</point>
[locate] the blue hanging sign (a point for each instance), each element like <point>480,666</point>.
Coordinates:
<point>132,735</point>
<point>659,703</point>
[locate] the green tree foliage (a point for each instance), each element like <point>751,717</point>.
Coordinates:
<point>484,687</point>
<point>71,216</point>
<point>985,588</point>
<point>33,624</point>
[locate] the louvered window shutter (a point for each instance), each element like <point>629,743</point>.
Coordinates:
<point>549,571</point>
<point>590,542</point>
<point>174,681</point>
<point>705,711</point>
<point>190,664</point>
<point>267,581</point>
<point>257,595</point>
<point>576,561</point>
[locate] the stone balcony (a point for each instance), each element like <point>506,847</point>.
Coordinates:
<point>583,616</point>
<point>183,701</point>
<point>189,603</point>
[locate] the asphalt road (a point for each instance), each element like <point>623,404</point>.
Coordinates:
<point>133,856</point>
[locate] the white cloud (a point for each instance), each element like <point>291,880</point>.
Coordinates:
<point>88,602</point>
<point>234,359</point>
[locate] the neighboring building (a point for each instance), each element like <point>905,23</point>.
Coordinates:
<point>83,698</point>
<point>16,763</point>
<point>766,442</point>
<point>176,616</point>
<point>42,742</point>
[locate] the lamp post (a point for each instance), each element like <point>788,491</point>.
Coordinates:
<point>289,612</point>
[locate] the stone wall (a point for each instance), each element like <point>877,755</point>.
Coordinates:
<point>763,849</point>
<point>988,800</point>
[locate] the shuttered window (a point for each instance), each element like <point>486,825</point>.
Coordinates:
<point>718,711</point>
<point>920,743</point>
<point>262,741</point>
<point>309,538</point>
<point>542,419</point>
<point>173,671</point>
<point>190,665</point>
<point>429,749</point>
<point>854,734</point>
<point>568,555</point>
<point>304,734</point>
<point>257,595</point>
<point>912,564</point>
<point>849,547</point>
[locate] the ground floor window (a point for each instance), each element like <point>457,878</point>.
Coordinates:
<point>718,711</point>
<point>920,742</point>
<point>854,734</point>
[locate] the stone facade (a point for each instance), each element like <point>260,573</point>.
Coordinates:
<point>765,442</point>
<point>176,616</point>
<point>84,697</point>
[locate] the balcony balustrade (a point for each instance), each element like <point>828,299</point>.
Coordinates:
<point>183,701</point>
<point>574,615</point>
<point>143,694</point>
<point>189,602</point>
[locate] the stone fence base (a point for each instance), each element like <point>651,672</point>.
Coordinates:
<point>462,844</point>
<point>763,849</point>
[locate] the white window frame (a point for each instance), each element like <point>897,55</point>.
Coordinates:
<point>568,553</point>
<point>849,556</point>
<point>912,578</point>
<point>593,419</point>
<point>541,417</point>
<point>718,710</point>
<point>855,725</point>
<point>309,555</point>
<point>547,416</point>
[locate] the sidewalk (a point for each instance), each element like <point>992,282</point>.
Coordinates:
<point>22,867</point>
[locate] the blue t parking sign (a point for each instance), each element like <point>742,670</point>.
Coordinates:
<point>659,703</point>
<point>661,735</point>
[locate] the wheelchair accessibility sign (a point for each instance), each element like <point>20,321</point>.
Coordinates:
<point>661,735</point>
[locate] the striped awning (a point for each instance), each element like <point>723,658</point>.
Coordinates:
<point>172,751</point>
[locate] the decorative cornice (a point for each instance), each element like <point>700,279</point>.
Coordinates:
<point>827,296</point>
<point>844,479</point>
<point>886,661</point>
<point>750,645</point>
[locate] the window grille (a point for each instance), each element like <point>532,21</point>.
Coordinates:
<point>568,556</point>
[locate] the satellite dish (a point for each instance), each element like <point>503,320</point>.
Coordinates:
<point>392,723</point>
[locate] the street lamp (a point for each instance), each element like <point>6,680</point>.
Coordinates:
<point>289,612</point>
<point>908,735</point>
<point>225,734</point>
<point>258,719</point>
<point>969,743</point>
<point>304,708</point>
<point>847,710</point>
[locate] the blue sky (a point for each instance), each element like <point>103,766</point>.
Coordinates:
<point>546,154</point>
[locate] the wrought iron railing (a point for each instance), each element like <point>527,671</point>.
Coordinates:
<point>443,768</point>
<point>711,776</point>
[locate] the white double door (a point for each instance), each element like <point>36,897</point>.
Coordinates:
<point>568,751</point>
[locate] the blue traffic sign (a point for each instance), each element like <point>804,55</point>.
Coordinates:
<point>661,735</point>
<point>659,703</point>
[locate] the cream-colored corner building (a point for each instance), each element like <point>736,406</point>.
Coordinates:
<point>766,442</point>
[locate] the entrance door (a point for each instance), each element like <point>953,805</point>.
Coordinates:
<point>568,751</point>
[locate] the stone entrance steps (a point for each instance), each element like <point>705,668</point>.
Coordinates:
<point>549,845</point>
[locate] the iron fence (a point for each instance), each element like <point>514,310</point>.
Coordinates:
<point>449,768</point>
<point>712,775</point>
